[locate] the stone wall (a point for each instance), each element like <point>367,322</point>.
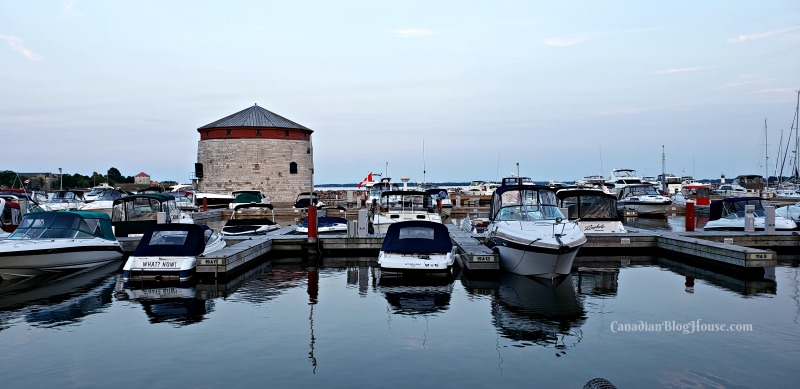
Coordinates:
<point>261,164</point>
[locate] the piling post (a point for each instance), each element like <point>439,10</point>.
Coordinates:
<point>205,204</point>
<point>749,218</point>
<point>769,219</point>
<point>690,219</point>
<point>312,224</point>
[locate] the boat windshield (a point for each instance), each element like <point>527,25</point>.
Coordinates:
<point>527,205</point>
<point>406,202</point>
<point>640,190</point>
<point>248,197</point>
<point>57,225</point>
<point>109,195</point>
<point>590,207</point>
<point>735,209</point>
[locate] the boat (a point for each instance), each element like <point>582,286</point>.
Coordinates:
<point>621,178</point>
<point>402,205</point>
<point>669,183</point>
<point>516,180</point>
<point>133,215</point>
<point>377,188</point>
<point>10,216</point>
<point>595,210</point>
<point>247,197</point>
<point>791,211</point>
<point>416,247</point>
<point>241,225</point>
<point>475,222</point>
<point>731,190</point>
<point>479,188</point>
<point>697,192</point>
<point>529,232</point>
<point>212,200</point>
<point>65,200</point>
<point>442,200</point>
<point>754,184</point>
<point>325,225</point>
<point>170,252</point>
<point>643,200</point>
<point>95,191</point>
<point>104,201</point>
<point>728,214</point>
<point>304,199</point>
<point>55,241</point>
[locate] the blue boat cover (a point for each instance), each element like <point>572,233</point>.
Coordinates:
<point>417,237</point>
<point>172,239</point>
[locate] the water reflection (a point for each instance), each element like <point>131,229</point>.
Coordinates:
<point>165,302</point>
<point>602,282</point>
<point>741,282</point>
<point>417,296</point>
<point>537,312</point>
<point>58,299</point>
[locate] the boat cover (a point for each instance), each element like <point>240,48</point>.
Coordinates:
<point>64,224</point>
<point>417,236</point>
<point>718,208</point>
<point>173,239</point>
<point>247,197</point>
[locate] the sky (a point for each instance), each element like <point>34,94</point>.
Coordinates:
<point>438,91</point>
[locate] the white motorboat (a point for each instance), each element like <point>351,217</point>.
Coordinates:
<point>377,188</point>
<point>621,178</point>
<point>65,200</point>
<point>170,252</point>
<point>791,212</point>
<point>479,188</point>
<point>442,200</point>
<point>416,247</point>
<point>48,242</point>
<point>242,224</point>
<point>728,214</point>
<point>529,232</point>
<point>402,205</point>
<point>595,210</point>
<point>325,225</point>
<point>133,215</point>
<point>642,199</point>
<point>304,199</point>
<point>669,183</point>
<point>95,191</point>
<point>104,201</point>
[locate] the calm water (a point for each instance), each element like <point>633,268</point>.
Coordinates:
<point>285,326</point>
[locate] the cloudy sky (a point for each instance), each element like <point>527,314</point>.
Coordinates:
<point>461,89</point>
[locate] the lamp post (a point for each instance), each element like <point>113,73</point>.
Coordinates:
<point>517,169</point>
<point>60,180</point>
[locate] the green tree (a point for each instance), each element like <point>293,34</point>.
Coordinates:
<point>7,178</point>
<point>114,176</point>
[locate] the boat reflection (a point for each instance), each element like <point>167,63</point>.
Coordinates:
<point>599,281</point>
<point>417,296</point>
<point>166,302</point>
<point>536,312</point>
<point>57,299</point>
<point>744,283</point>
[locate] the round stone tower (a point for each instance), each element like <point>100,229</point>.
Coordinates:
<point>255,149</point>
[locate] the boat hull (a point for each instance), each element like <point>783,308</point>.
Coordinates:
<point>32,258</point>
<point>415,264</point>
<point>531,261</point>
<point>645,209</point>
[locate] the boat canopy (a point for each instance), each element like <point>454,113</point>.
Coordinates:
<point>524,202</point>
<point>637,190</point>
<point>416,237</point>
<point>406,200</point>
<point>734,205</point>
<point>588,204</point>
<point>175,239</point>
<point>64,224</point>
<point>247,197</point>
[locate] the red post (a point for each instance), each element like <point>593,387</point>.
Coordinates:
<point>312,223</point>
<point>690,222</point>
<point>205,204</point>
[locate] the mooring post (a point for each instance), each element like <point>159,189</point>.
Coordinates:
<point>205,204</point>
<point>769,219</point>
<point>749,218</point>
<point>690,219</point>
<point>312,223</point>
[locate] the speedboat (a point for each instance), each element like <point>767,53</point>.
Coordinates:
<point>54,241</point>
<point>239,225</point>
<point>247,197</point>
<point>595,210</point>
<point>417,247</point>
<point>621,178</point>
<point>642,199</point>
<point>402,205</point>
<point>377,188</point>
<point>442,200</point>
<point>791,211</point>
<point>10,216</point>
<point>170,252</point>
<point>728,214</point>
<point>325,225</point>
<point>695,191</point>
<point>305,199</point>
<point>96,191</point>
<point>65,200</point>
<point>104,201</point>
<point>529,232</point>
<point>133,215</point>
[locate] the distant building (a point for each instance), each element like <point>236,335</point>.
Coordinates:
<point>142,179</point>
<point>255,149</point>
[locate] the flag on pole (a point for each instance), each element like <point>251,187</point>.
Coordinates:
<point>26,181</point>
<point>366,179</point>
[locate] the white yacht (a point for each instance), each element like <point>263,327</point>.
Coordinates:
<point>416,247</point>
<point>529,232</point>
<point>642,199</point>
<point>728,214</point>
<point>104,201</point>
<point>620,178</point>
<point>402,205</point>
<point>594,209</point>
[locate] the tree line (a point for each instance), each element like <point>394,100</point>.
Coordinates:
<point>9,178</point>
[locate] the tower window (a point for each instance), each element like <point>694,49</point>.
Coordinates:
<point>286,133</point>
<point>258,132</point>
<point>293,168</point>
<point>228,132</point>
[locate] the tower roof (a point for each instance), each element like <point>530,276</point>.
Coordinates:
<point>255,116</point>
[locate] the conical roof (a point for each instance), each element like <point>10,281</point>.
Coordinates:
<point>254,116</point>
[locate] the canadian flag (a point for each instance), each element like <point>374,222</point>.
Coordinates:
<point>26,181</point>
<point>368,178</point>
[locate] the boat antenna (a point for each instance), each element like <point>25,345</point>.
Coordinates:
<point>663,170</point>
<point>423,164</point>
<point>766,156</point>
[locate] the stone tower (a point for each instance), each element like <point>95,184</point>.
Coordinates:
<point>255,149</point>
